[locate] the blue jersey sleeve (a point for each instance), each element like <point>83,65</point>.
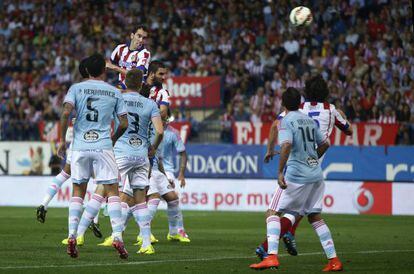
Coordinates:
<point>285,133</point>
<point>71,96</point>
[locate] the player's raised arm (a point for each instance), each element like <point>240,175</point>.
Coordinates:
<point>273,136</point>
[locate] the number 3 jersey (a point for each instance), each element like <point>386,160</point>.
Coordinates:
<point>302,132</point>
<point>96,103</point>
<point>135,141</point>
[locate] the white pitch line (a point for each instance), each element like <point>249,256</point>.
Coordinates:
<point>191,260</point>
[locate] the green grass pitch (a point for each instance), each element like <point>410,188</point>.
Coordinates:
<point>222,242</point>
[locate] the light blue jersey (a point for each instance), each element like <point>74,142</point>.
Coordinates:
<point>135,140</point>
<point>170,143</point>
<point>96,103</point>
<point>302,132</point>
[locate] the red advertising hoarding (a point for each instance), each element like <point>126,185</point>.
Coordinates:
<point>367,134</point>
<point>194,92</point>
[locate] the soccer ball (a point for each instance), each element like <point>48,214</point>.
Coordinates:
<point>301,16</point>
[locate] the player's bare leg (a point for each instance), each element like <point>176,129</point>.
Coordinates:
<point>57,183</point>
<point>325,237</point>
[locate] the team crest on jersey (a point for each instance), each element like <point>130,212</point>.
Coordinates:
<point>312,162</point>
<point>135,141</point>
<point>91,136</point>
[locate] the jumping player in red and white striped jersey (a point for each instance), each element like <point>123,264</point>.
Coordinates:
<point>326,116</point>
<point>131,55</point>
<point>157,73</point>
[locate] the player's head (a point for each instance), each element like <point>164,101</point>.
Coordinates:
<point>133,79</point>
<point>291,99</point>
<point>316,89</point>
<point>82,68</point>
<point>157,72</point>
<point>139,36</point>
<point>95,65</point>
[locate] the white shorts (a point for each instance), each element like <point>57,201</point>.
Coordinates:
<point>69,154</point>
<point>159,184</point>
<point>299,199</point>
<point>98,163</point>
<point>171,177</point>
<point>133,173</point>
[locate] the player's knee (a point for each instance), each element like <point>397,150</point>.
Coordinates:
<point>66,169</point>
<point>170,196</point>
<point>314,217</point>
<point>270,212</point>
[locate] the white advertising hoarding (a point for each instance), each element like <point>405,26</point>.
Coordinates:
<point>16,158</point>
<point>235,195</point>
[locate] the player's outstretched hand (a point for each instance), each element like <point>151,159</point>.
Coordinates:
<point>181,179</point>
<point>61,151</point>
<point>269,155</point>
<point>281,181</point>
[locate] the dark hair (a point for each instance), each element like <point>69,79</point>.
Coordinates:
<point>316,89</point>
<point>145,90</point>
<point>133,79</point>
<point>143,27</point>
<point>82,68</point>
<point>96,65</point>
<point>154,66</point>
<point>291,99</point>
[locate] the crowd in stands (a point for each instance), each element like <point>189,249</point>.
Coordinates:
<point>363,48</point>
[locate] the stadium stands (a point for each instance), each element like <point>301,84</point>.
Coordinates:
<point>363,48</point>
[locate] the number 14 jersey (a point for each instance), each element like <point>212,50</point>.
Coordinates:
<point>303,134</point>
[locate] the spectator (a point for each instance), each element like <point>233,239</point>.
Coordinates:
<point>268,115</point>
<point>257,104</point>
<point>240,115</point>
<point>227,119</point>
<point>388,117</point>
<point>37,162</point>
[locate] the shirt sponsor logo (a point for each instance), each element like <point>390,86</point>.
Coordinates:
<point>135,141</point>
<point>91,136</point>
<point>312,162</point>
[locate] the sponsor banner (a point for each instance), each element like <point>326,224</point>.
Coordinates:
<point>367,134</point>
<point>20,158</point>
<point>236,195</point>
<point>223,161</point>
<point>370,163</point>
<point>183,128</point>
<point>194,92</point>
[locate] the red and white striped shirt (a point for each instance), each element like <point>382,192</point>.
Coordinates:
<point>160,95</point>
<point>128,59</point>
